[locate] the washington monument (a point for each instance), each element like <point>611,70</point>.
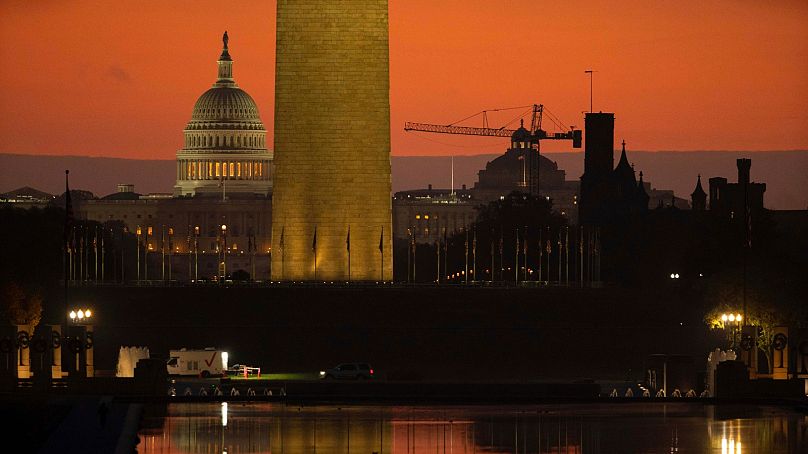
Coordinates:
<point>332,142</point>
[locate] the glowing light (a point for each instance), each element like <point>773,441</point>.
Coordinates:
<point>80,314</point>
<point>724,317</point>
<point>738,317</point>
<point>72,315</point>
<point>88,314</point>
<point>732,317</point>
<point>224,360</point>
<point>224,414</point>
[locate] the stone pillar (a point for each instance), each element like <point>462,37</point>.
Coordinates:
<point>23,346</point>
<point>332,140</point>
<point>749,351</point>
<point>89,349</point>
<point>56,351</point>
<point>780,352</point>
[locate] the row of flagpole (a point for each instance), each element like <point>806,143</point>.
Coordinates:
<point>282,250</point>
<point>585,254</point>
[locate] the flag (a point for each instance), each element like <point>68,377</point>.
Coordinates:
<point>68,210</point>
<point>381,241</point>
<point>348,240</point>
<point>549,247</point>
<point>524,246</point>
<point>314,241</point>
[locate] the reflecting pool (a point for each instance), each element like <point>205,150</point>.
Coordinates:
<point>552,429</point>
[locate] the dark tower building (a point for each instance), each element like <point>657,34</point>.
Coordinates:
<point>598,165</point>
<point>733,198</point>
<point>698,199</point>
<point>642,195</point>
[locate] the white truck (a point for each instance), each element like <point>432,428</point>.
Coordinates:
<point>207,362</point>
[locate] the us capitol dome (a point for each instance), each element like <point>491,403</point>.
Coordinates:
<point>225,149</point>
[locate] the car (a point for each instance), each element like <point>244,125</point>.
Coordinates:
<point>348,371</point>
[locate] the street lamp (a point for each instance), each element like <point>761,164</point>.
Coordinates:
<point>80,315</point>
<point>224,252</point>
<point>734,320</point>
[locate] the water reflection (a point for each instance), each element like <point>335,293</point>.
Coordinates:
<point>547,429</point>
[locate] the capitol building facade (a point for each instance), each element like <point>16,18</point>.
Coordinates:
<point>218,220</point>
<point>225,142</point>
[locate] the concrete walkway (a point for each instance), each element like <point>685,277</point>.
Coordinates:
<point>97,425</point>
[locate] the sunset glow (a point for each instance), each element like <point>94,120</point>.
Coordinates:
<point>120,78</point>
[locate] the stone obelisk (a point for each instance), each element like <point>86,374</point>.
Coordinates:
<point>332,142</point>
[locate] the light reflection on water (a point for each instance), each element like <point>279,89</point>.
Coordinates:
<point>546,429</point>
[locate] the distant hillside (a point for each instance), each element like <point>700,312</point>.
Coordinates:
<point>785,172</point>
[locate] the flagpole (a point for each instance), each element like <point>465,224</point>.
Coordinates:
<point>437,250</point>
<point>68,253</point>
<point>524,252</point>
<point>567,254</point>
<point>516,265</point>
<point>163,252</point>
<point>314,250</point>
<point>409,254</point>
<point>95,254</point>
<point>283,255</point>
<point>560,246</point>
<point>137,251</point>
<point>381,249</point>
<point>492,256</point>
<point>501,256</point>
<point>467,257</point>
<point>102,256</point>
<point>541,256</point>
<point>445,252</point>
<point>474,255</point>
<point>414,255</point>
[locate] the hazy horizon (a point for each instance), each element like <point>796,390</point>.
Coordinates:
<point>785,172</point>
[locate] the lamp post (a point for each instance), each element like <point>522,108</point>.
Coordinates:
<point>82,341</point>
<point>224,252</point>
<point>137,248</point>
<point>734,321</point>
<point>196,253</point>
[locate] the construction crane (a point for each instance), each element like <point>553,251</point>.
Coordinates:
<point>536,135</point>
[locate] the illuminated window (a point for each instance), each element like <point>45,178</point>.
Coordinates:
<point>426,216</point>
<point>232,169</point>
<point>238,169</point>
<point>417,216</point>
<point>218,168</point>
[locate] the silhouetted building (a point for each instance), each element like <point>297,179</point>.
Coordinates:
<point>732,198</point>
<point>698,199</point>
<point>607,194</point>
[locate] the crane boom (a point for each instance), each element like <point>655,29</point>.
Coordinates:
<point>529,154</point>
<point>574,134</point>
<point>464,130</point>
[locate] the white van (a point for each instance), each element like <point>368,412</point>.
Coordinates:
<point>207,362</point>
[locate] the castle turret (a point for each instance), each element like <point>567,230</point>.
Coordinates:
<point>698,199</point>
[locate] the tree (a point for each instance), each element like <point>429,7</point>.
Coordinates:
<point>773,298</point>
<point>21,307</point>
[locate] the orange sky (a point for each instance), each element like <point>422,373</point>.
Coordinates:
<point>119,78</point>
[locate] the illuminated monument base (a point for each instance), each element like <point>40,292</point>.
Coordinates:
<point>332,142</point>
